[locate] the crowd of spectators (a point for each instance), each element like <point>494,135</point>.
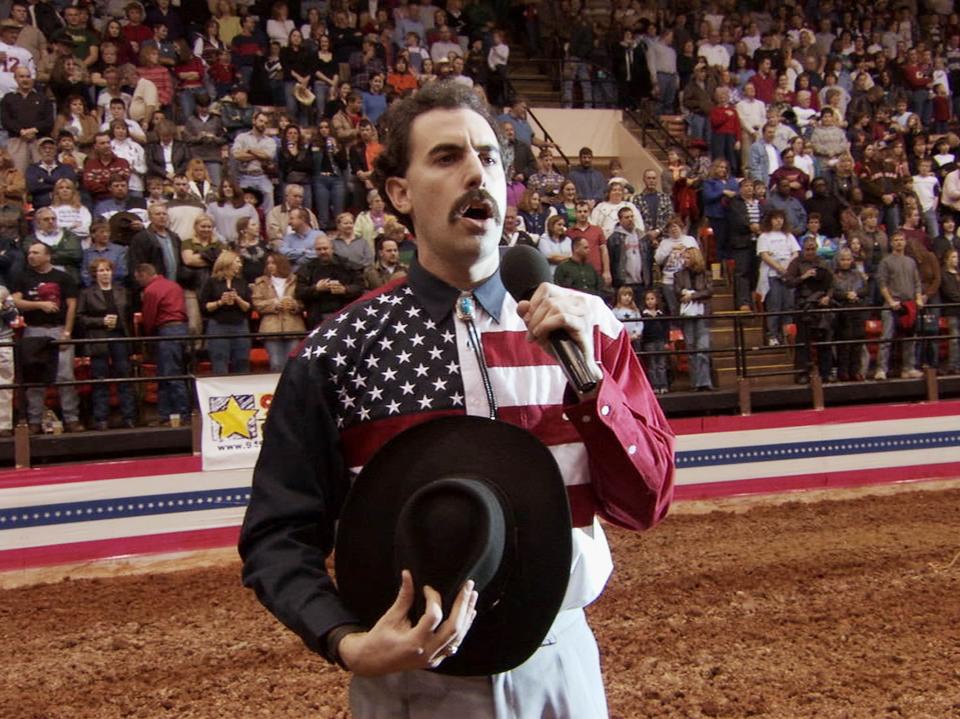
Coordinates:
<point>209,163</point>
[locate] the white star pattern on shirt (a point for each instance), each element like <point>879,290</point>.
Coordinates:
<point>453,368</point>
<point>421,370</point>
<point>350,342</point>
<point>371,311</point>
<point>448,336</point>
<point>330,333</point>
<point>364,413</point>
<point>359,324</point>
<point>413,312</point>
<point>393,407</point>
<point>319,351</point>
<point>372,361</point>
<point>430,324</point>
<point>385,344</point>
<point>403,357</point>
<point>359,381</point>
<point>306,353</point>
<point>457,399</point>
<point>424,402</point>
<point>389,374</point>
<point>340,359</point>
<point>400,328</point>
<point>376,393</point>
<point>407,388</point>
<point>436,353</point>
<point>417,340</point>
<point>439,384</point>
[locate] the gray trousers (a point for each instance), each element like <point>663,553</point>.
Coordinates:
<point>561,680</point>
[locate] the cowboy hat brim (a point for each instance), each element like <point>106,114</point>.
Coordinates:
<point>511,625</point>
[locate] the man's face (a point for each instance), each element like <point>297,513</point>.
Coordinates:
<point>586,160</point>
<point>159,217</point>
<point>181,185</point>
<point>48,152</point>
<point>260,122</point>
<point>810,250</point>
<point>102,145</point>
<point>46,221</point>
<point>783,186</point>
<point>295,197</point>
<point>453,154</point>
<point>627,220</point>
<point>819,188</point>
<point>118,189</point>
<point>650,180</point>
<point>160,32</point>
<point>376,83</point>
<point>581,250</point>
<point>19,13</point>
<point>24,81</point>
<point>510,133</point>
<point>583,214</point>
<point>510,222</point>
<point>389,253</point>
<point>366,133</point>
<point>746,191</point>
<point>345,225</point>
<point>38,256</point>
<point>72,16</point>
<point>520,111</point>
<point>353,106</point>
<point>297,221</point>
<point>324,249</point>
<point>768,134</point>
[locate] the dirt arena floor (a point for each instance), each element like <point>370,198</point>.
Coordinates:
<point>837,608</point>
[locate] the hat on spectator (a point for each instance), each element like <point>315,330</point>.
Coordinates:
<point>46,140</point>
<point>10,24</point>
<point>303,94</point>
<point>467,509</point>
<point>256,192</point>
<point>63,39</point>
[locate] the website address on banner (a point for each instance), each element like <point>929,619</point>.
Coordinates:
<point>238,446</point>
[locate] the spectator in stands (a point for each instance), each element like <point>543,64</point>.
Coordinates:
<point>898,279</point>
<point>273,297</point>
<point>776,247</point>
<point>743,228</point>
<point>632,71</point>
<point>8,316</point>
<point>350,249</point>
<point>718,189</point>
<point>812,282</point>
<point>753,119</point>
<point>547,180</point>
<point>117,110</point>
<point>252,249</point>
<point>764,158</point>
<point>828,207</point>
<point>693,287</point>
<point>849,292</point>
<point>255,152</point>
<point>948,238</point>
<point>225,300</point>
<point>184,207</point>
<point>630,252</point>
<point>517,116</point>
<point>102,312</point>
<point>604,214</point>
<point>928,319</point>
<point>247,47</point>
<point>100,170</point>
<point>387,267</point>
<point>201,186</point>
<point>724,129</point>
<point>76,119</point>
<point>596,237</point>
<point>950,294</point>
<point>128,149</point>
<point>157,245</point>
<point>698,101</point>
<point>781,198</point>
<point>576,272</point>
<point>47,298</point>
<point>41,176</point>
<point>324,284</point>
<point>167,156</point>
<point>590,183</point>
<point>296,164</point>
<point>554,243</point>
<point>197,255</point>
<point>102,248</point>
<point>518,157</point>
<point>512,234</point>
<point>66,252</point>
<point>229,208</point>
<point>669,255</point>
<point>163,315</point>
<point>655,339</point>
<point>655,207</point>
<point>278,219</point>
<point>71,214</point>
<point>120,200</point>
<point>330,167</point>
<point>298,244</point>
<point>26,116</point>
<point>370,223</point>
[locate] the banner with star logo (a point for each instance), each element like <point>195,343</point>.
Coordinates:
<point>233,410</point>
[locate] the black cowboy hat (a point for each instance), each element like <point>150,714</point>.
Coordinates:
<point>460,498</point>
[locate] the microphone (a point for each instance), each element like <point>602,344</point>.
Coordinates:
<point>522,270</point>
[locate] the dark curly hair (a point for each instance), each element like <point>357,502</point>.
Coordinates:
<point>394,160</point>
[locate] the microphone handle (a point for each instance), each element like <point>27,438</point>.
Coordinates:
<point>580,373</point>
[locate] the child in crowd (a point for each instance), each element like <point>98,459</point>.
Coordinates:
<point>941,108</point>
<point>223,73</point>
<point>655,337</point>
<point>826,246</point>
<point>927,187</point>
<point>626,311</point>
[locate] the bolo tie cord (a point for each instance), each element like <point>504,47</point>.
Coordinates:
<point>466,311</point>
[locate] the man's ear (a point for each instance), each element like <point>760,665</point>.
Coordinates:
<point>397,191</point>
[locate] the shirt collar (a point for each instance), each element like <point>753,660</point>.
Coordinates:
<point>439,298</point>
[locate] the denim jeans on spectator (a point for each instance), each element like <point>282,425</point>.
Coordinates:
<point>696,337</point>
<point>329,198</point>
<point>262,183</point>
<point>279,351</point>
<point>931,223</point>
<point>575,70</point>
<point>171,394</point>
<point>115,362</point>
<point>322,91</point>
<point>69,400</point>
<point>229,354</point>
<point>188,101</point>
<point>215,170</point>
<point>699,127</point>
<point>779,298</point>
<point>722,147</point>
<point>742,267</point>
<point>671,301</point>
<point>890,323</point>
<point>656,365</point>
<point>667,82</point>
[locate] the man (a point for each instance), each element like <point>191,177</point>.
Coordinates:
<point>655,206</point>
<point>101,248</point>
<point>43,175</point>
<point>117,109</point>
<point>780,198</point>
<point>100,170</point>
<point>828,206</point>
<point>157,244</point>
<point>577,273</point>
<point>753,116</point>
<point>254,150</point>
<point>162,15</point>
<point>517,116</point>
<point>298,244</point>
<point>714,52</point>
<point>66,251</point>
<point>164,315</point>
<point>518,156</point>
<point>631,253</point>
<point>183,208</point>
<point>599,256</point>
<point>590,183</point>
<point>168,156</point>
<point>247,47</point>
<point>631,70</point>
<point>345,121</point>
<point>742,231</point>
<point>27,116</point>
<point>444,46</point>
<point>120,200</point>
<point>204,135</point>
<point>86,43</point>
<point>278,219</point>
<point>324,284</point>
<point>113,90</point>
<point>30,37</point>
<point>698,99</point>
<point>16,55</point>
<point>763,159</point>
<point>166,48</point>
<point>408,20</point>
<point>662,62</point>
<point>512,234</point>
<point>442,172</point>
<point>898,278</point>
<point>47,299</point>
<point>362,154</point>
<point>387,267</point>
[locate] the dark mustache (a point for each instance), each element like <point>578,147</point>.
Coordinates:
<point>471,197</point>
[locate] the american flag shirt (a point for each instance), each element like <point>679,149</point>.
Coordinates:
<point>400,357</point>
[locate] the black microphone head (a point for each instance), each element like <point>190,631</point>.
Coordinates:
<point>522,269</point>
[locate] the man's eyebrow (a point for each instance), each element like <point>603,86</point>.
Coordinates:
<point>457,147</point>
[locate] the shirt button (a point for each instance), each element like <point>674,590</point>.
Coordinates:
<point>632,449</point>
<point>605,410</point>
<point>586,419</point>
